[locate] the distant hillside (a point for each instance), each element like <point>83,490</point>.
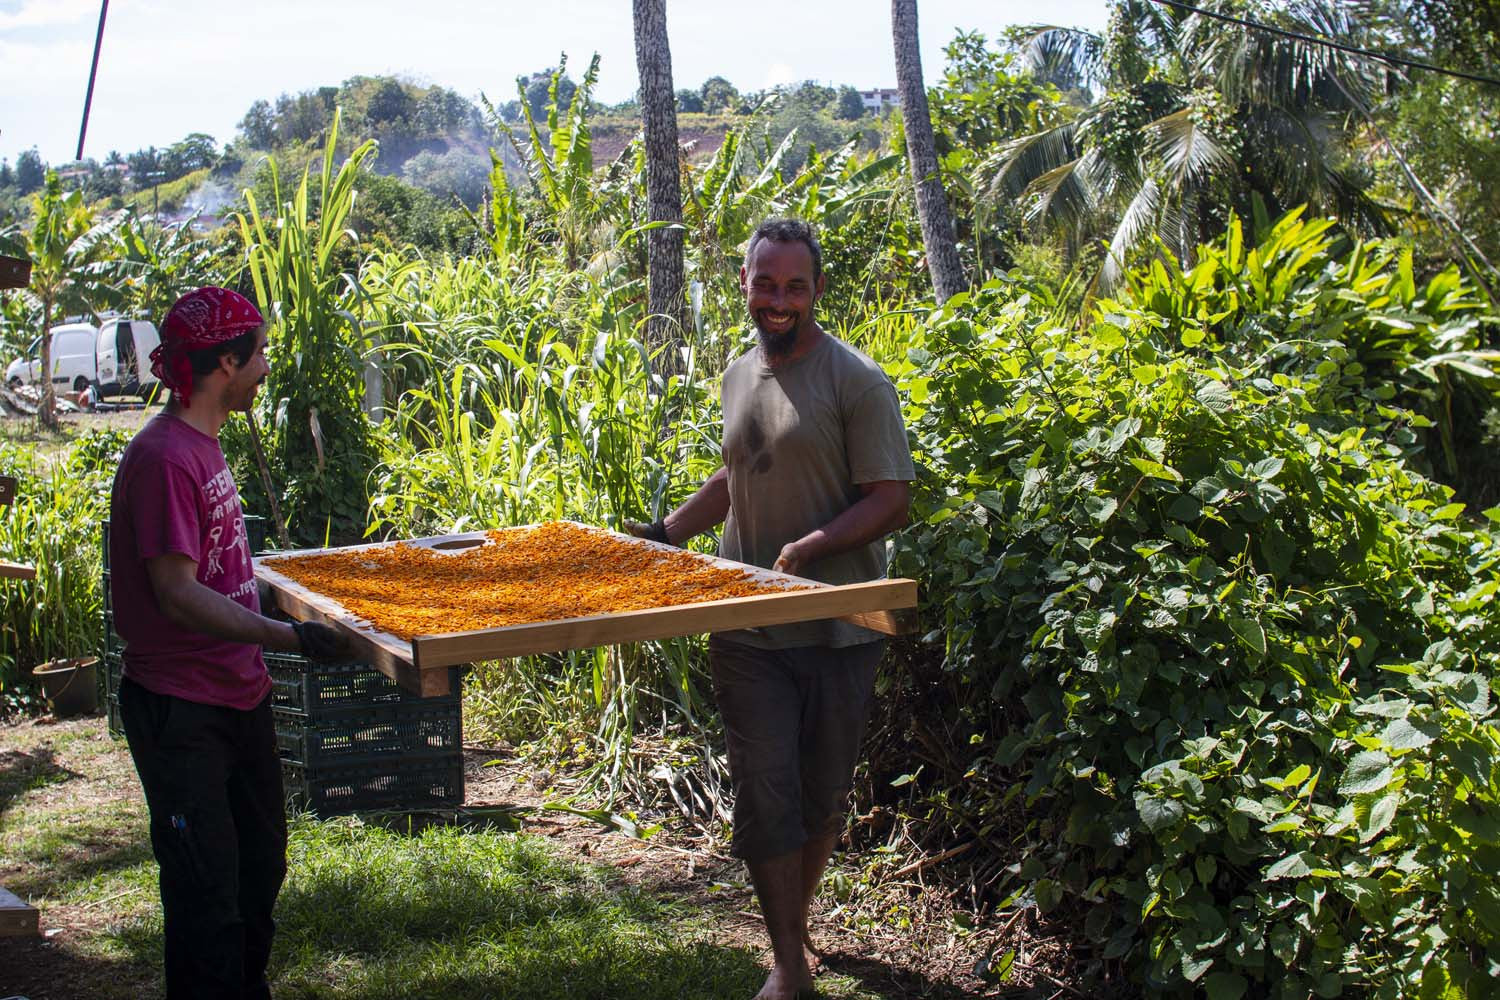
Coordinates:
<point>434,146</point>
<point>703,134</point>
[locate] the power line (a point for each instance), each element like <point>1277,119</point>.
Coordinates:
<point>93,73</point>
<point>1329,43</point>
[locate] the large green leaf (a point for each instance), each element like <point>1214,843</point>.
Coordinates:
<point>1366,772</point>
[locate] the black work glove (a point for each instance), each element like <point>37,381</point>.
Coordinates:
<point>656,531</point>
<point>321,642</point>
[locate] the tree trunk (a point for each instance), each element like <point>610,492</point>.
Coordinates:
<point>668,320</point>
<point>46,414</point>
<point>932,205</point>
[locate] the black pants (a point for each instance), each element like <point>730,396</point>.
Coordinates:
<point>218,829</point>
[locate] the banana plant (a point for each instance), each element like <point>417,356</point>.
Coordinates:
<point>560,163</point>
<point>68,250</point>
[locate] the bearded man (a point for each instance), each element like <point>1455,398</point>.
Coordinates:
<point>816,473</point>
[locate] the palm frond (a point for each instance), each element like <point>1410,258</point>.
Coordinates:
<point>1300,141</point>
<point>1058,197</point>
<point>1260,68</point>
<point>1107,177</point>
<point>1186,148</point>
<point>1064,56</point>
<point>1140,218</point>
<point>1019,162</point>
<point>1352,203</point>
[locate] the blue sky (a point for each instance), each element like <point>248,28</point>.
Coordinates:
<point>170,67</point>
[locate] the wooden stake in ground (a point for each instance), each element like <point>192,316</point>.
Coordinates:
<point>265,482</point>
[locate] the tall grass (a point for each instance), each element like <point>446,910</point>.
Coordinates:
<point>530,396</point>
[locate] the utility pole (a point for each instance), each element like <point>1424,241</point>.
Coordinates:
<point>156,176</point>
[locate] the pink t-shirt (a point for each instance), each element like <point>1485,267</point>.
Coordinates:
<point>173,493</point>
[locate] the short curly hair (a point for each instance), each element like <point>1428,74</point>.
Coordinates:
<point>788,231</point>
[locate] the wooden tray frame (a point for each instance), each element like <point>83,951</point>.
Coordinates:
<point>420,665</point>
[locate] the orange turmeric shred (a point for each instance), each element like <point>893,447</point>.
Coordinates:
<point>544,573</point>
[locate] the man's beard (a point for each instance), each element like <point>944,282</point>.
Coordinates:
<point>777,345</point>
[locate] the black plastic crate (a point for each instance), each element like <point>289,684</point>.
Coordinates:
<point>255,532</point>
<point>113,667</point>
<point>109,680</point>
<point>387,785</point>
<point>112,644</point>
<point>302,687</point>
<point>361,735</point>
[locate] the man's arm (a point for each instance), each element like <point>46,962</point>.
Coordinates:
<point>707,507</point>
<point>883,508</point>
<point>188,603</point>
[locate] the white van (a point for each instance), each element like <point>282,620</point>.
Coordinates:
<point>114,358</point>
<point>74,360</point>
<point>123,357</point>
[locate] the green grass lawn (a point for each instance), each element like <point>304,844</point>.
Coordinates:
<point>369,910</point>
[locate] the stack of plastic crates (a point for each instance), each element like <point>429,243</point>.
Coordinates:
<point>351,739</point>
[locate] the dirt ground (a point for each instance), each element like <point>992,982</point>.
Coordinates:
<point>927,958</point>
<point>19,428</point>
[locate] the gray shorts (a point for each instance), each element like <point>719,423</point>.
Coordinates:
<point>793,722</point>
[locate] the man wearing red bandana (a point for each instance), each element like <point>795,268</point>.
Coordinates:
<point>195,697</point>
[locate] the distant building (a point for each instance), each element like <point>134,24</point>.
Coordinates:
<point>880,99</point>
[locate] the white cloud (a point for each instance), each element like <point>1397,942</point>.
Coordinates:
<point>46,13</point>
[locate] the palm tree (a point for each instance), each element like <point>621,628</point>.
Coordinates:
<point>653,58</point>
<point>1197,118</point>
<point>67,248</point>
<point>932,205</point>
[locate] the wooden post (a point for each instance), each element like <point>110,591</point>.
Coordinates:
<point>15,272</point>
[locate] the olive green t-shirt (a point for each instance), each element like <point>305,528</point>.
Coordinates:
<point>798,441</point>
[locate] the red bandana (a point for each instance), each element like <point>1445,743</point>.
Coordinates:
<point>201,318</point>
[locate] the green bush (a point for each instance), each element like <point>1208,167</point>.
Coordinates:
<point>1212,633</point>
<point>55,526</point>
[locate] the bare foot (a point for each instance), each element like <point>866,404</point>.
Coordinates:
<point>784,985</point>
<point>812,954</point>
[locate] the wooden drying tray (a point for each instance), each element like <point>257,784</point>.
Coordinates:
<point>420,665</point>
